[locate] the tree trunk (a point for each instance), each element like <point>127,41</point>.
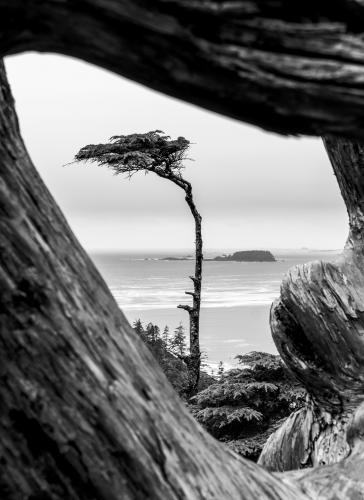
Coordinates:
<point>318,327</point>
<point>85,412</point>
<point>288,68</point>
<point>194,359</point>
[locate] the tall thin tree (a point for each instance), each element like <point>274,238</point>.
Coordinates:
<point>158,153</point>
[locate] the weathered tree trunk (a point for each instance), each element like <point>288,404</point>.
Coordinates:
<point>193,360</point>
<point>318,327</point>
<point>85,413</point>
<point>291,67</point>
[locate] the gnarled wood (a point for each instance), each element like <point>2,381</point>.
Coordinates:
<point>288,67</point>
<point>318,327</point>
<point>85,411</point>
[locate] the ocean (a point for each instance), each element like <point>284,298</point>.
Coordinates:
<point>236,296</point>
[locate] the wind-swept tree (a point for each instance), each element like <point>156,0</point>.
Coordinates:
<point>158,153</point>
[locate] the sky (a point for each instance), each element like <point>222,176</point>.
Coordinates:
<point>255,190</point>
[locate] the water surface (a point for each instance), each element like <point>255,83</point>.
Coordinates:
<point>236,296</point>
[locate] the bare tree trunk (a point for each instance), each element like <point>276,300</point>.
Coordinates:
<point>193,360</point>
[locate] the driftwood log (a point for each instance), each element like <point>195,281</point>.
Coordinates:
<point>84,410</point>
<point>288,66</point>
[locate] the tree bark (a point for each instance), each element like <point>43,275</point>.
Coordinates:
<point>193,360</point>
<point>318,327</point>
<point>85,411</point>
<point>291,69</point>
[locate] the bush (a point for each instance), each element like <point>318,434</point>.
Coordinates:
<point>241,407</point>
<point>247,404</point>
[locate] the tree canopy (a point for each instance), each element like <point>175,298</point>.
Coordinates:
<point>151,151</point>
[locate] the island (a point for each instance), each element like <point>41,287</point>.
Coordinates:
<point>242,256</point>
<point>247,256</point>
<point>188,257</point>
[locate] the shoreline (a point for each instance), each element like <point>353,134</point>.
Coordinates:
<point>225,331</point>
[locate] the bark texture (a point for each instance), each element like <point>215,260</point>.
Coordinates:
<point>291,68</point>
<point>318,327</point>
<point>193,360</point>
<point>85,411</point>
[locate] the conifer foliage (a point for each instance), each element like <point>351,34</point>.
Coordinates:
<point>245,405</point>
<point>242,406</point>
<point>167,348</point>
<point>164,347</point>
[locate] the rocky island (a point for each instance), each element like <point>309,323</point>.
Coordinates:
<point>187,257</point>
<point>248,256</point>
<point>242,256</point>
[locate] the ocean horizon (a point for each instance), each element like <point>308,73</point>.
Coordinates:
<point>236,296</point>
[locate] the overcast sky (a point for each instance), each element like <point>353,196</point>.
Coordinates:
<point>254,189</point>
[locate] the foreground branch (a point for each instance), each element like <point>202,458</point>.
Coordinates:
<point>85,410</point>
<point>85,413</point>
<point>290,69</point>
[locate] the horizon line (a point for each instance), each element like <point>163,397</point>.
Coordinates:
<point>210,250</point>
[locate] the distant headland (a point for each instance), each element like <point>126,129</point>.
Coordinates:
<point>242,256</point>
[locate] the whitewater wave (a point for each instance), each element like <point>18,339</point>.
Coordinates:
<point>148,298</point>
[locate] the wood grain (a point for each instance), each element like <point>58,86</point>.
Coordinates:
<point>86,412</point>
<point>318,327</point>
<point>290,69</point>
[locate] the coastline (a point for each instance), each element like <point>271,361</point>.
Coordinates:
<point>225,331</point>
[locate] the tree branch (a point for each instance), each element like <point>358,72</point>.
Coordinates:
<point>185,307</point>
<point>94,416</point>
<point>288,70</point>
